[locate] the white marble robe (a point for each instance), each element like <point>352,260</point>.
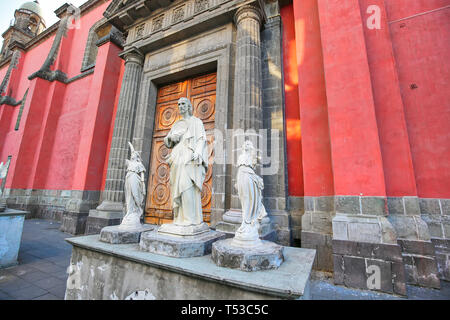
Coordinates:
<point>186,176</point>
<point>134,195</point>
<point>250,187</point>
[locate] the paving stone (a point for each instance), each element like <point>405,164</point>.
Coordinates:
<point>49,283</point>
<point>34,276</point>
<point>27,293</point>
<point>47,296</point>
<point>48,267</point>
<point>5,296</point>
<point>21,270</point>
<point>27,259</point>
<point>14,283</point>
<point>58,291</point>
<point>62,274</point>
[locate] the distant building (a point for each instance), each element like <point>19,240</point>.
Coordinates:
<point>353,95</point>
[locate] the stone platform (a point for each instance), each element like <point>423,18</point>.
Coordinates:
<point>11,227</point>
<point>265,256</point>
<point>179,246</point>
<point>118,235</point>
<point>103,271</point>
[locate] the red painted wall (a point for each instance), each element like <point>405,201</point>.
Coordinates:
<point>387,138</point>
<point>420,32</point>
<point>389,109</point>
<point>50,150</point>
<point>292,107</point>
<point>315,143</point>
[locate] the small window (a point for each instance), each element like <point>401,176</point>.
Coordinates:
<point>90,53</point>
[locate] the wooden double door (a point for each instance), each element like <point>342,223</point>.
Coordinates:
<point>201,91</point>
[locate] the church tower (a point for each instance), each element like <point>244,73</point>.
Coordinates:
<point>28,23</point>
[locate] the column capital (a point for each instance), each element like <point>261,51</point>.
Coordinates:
<point>133,55</point>
<point>248,12</point>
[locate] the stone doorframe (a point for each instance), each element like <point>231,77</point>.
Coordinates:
<point>219,57</point>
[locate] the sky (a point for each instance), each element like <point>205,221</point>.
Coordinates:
<point>7,8</point>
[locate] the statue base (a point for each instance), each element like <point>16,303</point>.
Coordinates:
<point>179,246</point>
<point>120,235</point>
<point>173,229</point>
<point>264,256</point>
<point>232,220</point>
<point>165,278</point>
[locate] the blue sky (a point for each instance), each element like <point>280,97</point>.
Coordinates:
<point>7,8</point>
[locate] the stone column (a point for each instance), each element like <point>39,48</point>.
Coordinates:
<point>247,113</point>
<point>247,110</point>
<point>110,210</point>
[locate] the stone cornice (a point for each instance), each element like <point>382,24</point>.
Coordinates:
<point>114,36</point>
<point>163,28</point>
<point>132,12</point>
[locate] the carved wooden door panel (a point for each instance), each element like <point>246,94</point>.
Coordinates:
<point>201,91</point>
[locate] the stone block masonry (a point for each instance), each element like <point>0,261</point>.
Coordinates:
<point>353,261</point>
<point>70,207</point>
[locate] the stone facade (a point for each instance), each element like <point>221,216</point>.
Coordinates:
<point>243,41</point>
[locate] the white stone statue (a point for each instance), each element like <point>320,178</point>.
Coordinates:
<point>188,165</point>
<point>249,186</point>
<point>134,191</point>
<point>3,170</point>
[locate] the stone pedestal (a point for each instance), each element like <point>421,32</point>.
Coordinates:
<point>264,256</point>
<point>120,235</point>
<point>121,270</point>
<point>179,246</point>
<point>107,214</point>
<point>11,227</point>
<point>232,220</point>
<point>183,231</point>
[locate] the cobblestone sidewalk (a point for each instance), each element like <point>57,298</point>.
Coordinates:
<point>44,257</point>
<point>43,260</point>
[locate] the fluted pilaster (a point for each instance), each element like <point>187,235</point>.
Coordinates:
<point>247,112</point>
<point>123,129</point>
<point>248,74</point>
